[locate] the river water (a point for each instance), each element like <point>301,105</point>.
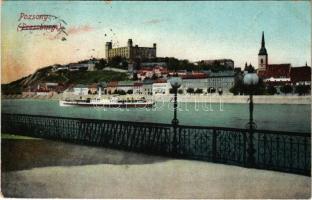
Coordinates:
<point>280,117</point>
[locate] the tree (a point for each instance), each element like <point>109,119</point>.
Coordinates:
<point>303,89</point>
<point>121,92</point>
<point>173,63</point>
<point>199,91</point>
<point>130,92</point>
<point>135,77</point>
<point>211,90</point>
<point>101,64</point>
<point>259,89</point>
<point>240,88</point>
<point>271,90</point>
<point>190,90</point>
<point>154,77</point>
<point>220,92</point>
<point>171,91</point>
<point>286,89</point>
<point>234,90</point>
<point>118,62</point>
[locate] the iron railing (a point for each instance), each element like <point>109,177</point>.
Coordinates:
<point>274,150</point>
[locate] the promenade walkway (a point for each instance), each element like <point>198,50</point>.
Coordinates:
<point>41,168</point>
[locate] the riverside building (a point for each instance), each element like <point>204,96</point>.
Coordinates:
<point>222,80</point>
<point>130,52</point>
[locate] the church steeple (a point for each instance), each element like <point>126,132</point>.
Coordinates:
<point>263,50</point>
<point>262,56</point>
<point>262,42</point>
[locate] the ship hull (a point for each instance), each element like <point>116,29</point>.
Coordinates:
<point>108,105</point>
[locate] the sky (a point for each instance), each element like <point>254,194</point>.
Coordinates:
<point>186,30</point>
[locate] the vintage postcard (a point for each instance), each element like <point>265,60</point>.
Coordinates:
<point>156,99</point>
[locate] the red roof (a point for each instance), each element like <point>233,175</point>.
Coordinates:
<point>275,71</point>
<point>42,90</point>
<point>160,81</point>
<point>136,84</point>
<point>93,85</point>
<point>300,74</point>
<point>146,69</point>
<point>112,84</point>
<point>194,76</point>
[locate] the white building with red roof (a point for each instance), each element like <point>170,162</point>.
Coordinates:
<point>276,74</point>
<point>149,72</point>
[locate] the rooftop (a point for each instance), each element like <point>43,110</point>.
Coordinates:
<point>276,71</point>
<point>300,74</point>
<point>125,83</point>
<point>80,86</point>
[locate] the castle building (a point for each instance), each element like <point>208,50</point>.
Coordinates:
<point>130,52</point>
<point>262,56</point>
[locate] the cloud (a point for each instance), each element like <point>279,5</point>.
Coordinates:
<point>153,21</point>
<point>79,29</point>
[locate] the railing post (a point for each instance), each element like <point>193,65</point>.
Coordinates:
<point>245,147</point>
<point>251,151</point>
<point>175,141</point>
<point>214,145</point>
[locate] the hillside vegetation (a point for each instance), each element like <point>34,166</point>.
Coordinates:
<point>65,77</point>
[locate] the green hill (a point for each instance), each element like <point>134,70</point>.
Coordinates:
<point>45,74</point>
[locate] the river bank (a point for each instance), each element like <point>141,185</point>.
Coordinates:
<point>215,98</point>
<point>49,169</point>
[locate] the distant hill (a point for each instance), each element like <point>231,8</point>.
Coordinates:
<point>46,74</point>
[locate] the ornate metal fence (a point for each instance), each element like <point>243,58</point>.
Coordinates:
<point>282,151</point>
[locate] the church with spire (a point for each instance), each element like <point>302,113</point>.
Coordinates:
<point>272,73</point>
<point>280,74</point>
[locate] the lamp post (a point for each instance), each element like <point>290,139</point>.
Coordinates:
<point>250,80</point>
<point>220,91</point>
<point>175,84</point>
<point>210,97</point>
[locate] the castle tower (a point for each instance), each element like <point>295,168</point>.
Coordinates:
<point>108,46</point>
<point>130,43</point>
<point>262,56</point>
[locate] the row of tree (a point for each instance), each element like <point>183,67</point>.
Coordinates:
<point>195,91</point>
<point>262,89</point>
<point>116,62</point>
<point>172,63</point>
